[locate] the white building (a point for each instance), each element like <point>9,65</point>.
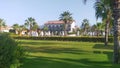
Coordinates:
<point>56,26</point>
<point>5,29</point>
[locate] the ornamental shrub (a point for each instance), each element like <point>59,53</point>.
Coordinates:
<point>81,39</point>
<point>11,53</point>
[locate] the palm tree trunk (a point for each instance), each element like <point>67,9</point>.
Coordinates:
<point>116,43</point>
<point>116,38</point>
<point>65,30</point>
<point>30,30</point>
<point>84,32</point>
<point>106,33</point>
<point>97,32</point>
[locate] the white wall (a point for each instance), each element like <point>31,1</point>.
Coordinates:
<point>72,27</point>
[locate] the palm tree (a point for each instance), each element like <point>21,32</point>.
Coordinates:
<point>31,24</point>
<point>85,26</point>
<point>67,18</point>
<point>2,24</point>
<point>103,10</point>
<point>116,15</point>
<point>116,18</point>
<point>99,27</point>
<point>115,4</point>
<point>16,27</point>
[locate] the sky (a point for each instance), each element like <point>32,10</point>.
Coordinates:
<point>17,11</point>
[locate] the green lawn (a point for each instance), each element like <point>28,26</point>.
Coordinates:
<point>60,54</point>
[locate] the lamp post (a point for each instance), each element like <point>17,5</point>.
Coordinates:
<point>116,15</point>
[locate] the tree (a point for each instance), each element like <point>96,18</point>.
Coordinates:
<point>67,18</point>
<point>109,10</point>
<point>31,24</point>
<point>116,15</point>
<point>2,23</point>
<point>115,5</point>
<point>85,26</point>
<point>104,11</point>
<point>45,29</point>
<point>16,27</point>
<point>35,27</point>
<point>99,28</point>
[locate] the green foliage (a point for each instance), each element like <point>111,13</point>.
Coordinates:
<point>66,16</point>
<point>85,26</point>
<point>16,26</point>
<point>45,28</point>
<point>31,23</point>
<point>35,27</point>
<point>83,39</point>
<point>12,31</point>
<point>10,52</point>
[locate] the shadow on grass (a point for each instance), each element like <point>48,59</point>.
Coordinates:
<point>101,46</point>
<point>41,43</point>
<point>54,50</point>
<point>48,62</point>
<point>53,62</point>
<point>108,53</point>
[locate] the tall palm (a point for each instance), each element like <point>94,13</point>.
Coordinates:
<point>116,15</point>
<point>104,11</point>
<point>2,23</point>
<point>115,4</point>
<point>111,4</point>
<point>85,26</point>
<point>67,18</point>
<point>30,23</point>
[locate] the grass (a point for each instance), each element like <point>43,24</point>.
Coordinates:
<point>60,54</point>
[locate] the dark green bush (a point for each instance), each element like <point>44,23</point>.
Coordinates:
<point>83,39</point>
<point>10,52</point>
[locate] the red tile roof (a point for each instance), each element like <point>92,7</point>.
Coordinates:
<point>55,22</point>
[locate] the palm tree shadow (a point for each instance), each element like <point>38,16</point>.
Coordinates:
<point>101,46</point>
<point>108,53</point>
<point>37,43</point>
<point>53,50</point>
<point>52,62</point>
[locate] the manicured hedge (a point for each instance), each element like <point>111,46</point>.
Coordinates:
<point>84,39</point>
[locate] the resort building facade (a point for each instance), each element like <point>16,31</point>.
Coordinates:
<point>57,27</point>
